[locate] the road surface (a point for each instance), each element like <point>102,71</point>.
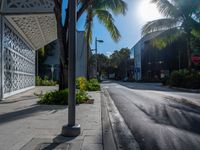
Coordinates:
<point>158,117</point>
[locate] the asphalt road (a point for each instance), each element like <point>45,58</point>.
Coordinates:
<point>158,117</point>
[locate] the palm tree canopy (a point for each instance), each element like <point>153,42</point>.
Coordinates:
<point>181,16</point>
<point>160,25</point>
<point>102,9</point>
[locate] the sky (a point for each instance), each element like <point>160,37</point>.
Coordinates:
<point>139,12</point>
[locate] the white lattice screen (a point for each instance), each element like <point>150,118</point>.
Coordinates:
<point>18,63</point>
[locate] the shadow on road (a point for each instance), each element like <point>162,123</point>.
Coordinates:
<point>179,115</point>
<point>144,86</point>
<point>158,120</point>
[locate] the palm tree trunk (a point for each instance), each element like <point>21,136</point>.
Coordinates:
<point>189,53</point>
<point>61,33</point>
<point>88,50</point>
<point>63,40</point>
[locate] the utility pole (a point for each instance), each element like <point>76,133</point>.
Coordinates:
<point>72,129</point>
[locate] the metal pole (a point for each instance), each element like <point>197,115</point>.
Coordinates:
<point>72,58</point>
<point>96,55</point>
<point>72,129</point>
<point>37,63</point>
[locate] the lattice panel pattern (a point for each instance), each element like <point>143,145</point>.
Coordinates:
<point>28,5</point>
<point>48,26</point>
<point>19,63</point>
<point>39,30</point>
<point>30,28</point>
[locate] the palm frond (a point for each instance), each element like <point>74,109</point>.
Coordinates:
<point>159,25</point>
<point>106,18</point>
<point>166,8</point>
<point>116,6</point>
<point>166,37</point>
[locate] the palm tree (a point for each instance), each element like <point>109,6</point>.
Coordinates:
<point>102,9</point>
<point>181,19</point>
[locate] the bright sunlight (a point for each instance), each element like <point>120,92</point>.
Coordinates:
<point>147,11</point>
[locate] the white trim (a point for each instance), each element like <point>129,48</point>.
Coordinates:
<point>2,56</point>
<point>22,56</point>
<point>17,92</point>
<point>35,9</point>
<point>20,72</point>
<point>20,33</point>
<point>13,27</point>
<point>44,39</point>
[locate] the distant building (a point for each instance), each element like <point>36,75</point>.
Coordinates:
<point>152,64</point>
<point>53,59</point>
<point>138,51</point>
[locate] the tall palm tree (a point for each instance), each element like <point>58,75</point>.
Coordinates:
<point>181,19</point>
<point>102,9</point>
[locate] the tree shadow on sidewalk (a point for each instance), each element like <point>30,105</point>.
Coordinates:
<point>59,142</point>
<point>32,110</point>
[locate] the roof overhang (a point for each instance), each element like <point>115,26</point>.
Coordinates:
<point>33,19</point>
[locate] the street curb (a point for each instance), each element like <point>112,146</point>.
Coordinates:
<point>107,133</point>
<point>185,90</point>
<point>124,140</point>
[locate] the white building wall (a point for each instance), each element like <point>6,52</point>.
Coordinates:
<point>25,25</point>
<point>1,64</point>
<point>17,62</point>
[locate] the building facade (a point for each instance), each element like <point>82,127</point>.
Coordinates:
<point>152,64</point>
<point>53,59</point>
<point>138,50</point>
<point>25,26</point>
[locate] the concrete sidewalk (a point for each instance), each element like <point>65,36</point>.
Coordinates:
<point>24,125</point>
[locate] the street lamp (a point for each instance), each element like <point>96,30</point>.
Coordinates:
<point>96,42</point>
<point>72,129</point>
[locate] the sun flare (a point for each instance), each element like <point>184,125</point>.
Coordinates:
<point>147,11</point>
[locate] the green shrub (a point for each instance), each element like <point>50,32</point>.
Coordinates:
<point>44,82</point>
<point>38,81</point>
<point>61,97</point>
<point>185,79</point>
<point>81,96</point>
<point>93,85</point>
<point>176,79</point>
<point>81,83</point>
<point>165,81</point>
<point>87,85</point>
<point>192,80</point>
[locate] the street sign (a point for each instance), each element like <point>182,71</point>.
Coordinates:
<point>196,58</point>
